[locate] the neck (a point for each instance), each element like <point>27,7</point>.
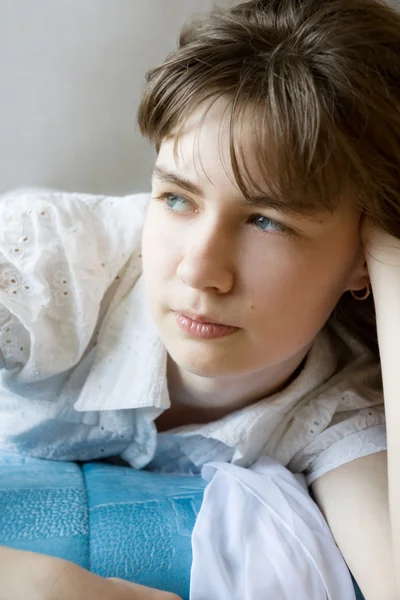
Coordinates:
<point>196,399</point>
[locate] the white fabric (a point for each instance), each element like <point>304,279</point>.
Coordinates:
<point>77,345</point>
<point>259,536</point>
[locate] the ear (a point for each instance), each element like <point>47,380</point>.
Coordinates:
<point>358,276</point>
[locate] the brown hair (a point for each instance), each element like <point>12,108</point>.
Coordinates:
<point>322,78</point>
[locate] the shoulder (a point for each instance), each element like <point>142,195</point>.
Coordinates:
<point>342,418</point>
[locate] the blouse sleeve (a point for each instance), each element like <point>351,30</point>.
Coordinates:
<point>343,418</point>
<point>349,423</point>
<point>343,443</point>
<point>59,253</point>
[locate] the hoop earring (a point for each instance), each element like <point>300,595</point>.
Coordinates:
<point>365,295</point>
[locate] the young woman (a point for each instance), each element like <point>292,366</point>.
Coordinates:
<point>231,316</point>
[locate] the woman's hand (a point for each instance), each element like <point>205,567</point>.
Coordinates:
<point>382,255</point>
<point>28,575</point>
<point>79,584</point>
<point>382,250</point>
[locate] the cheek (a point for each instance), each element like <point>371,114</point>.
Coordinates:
<point>158,249</point>
<point>294,284</point>
<point>271,268</point>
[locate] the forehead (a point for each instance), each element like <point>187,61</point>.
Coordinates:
<point>200,150</point>
<point>197,157</point>
<point>205,133</point>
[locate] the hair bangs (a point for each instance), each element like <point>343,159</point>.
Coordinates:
<point>298,157</point>
<point>298,161</point>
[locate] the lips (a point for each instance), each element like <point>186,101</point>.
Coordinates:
<point>200,327</point>
<point>203,319</point>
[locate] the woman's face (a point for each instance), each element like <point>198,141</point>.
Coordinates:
<point>272,275</point>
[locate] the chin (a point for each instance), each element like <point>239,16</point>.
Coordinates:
<point>202,364</point>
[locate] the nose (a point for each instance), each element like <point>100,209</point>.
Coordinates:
<point>207,262</point>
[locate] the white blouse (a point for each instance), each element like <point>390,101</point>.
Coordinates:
<point>83,371</point>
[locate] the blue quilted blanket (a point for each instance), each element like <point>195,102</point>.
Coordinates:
<point>112,520</point>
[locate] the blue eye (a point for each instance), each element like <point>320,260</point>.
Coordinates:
<point>175,202</point>
<point>267,224</point>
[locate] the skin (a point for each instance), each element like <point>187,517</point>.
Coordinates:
<point>207,252</point>
<point>39,577</point>
<point>361,499</point>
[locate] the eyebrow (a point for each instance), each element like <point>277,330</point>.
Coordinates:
<point>262,201</point>
<point>173,178</point>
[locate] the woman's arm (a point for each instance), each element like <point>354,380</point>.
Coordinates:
<point>382,253</point>
<point>361,500</point>
<point>354,500</point>
<point>27,575</point>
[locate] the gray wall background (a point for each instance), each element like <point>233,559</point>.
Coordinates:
<point>71,72</point>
